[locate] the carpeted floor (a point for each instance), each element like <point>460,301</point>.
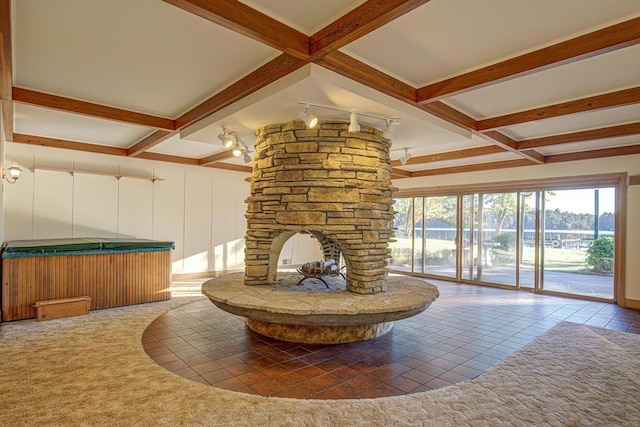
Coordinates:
<point>92,370</point>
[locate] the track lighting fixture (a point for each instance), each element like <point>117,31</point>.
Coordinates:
<point>310,120</point>
<point>353,123</point>
<point>404,159</point>
<point>231,140</point>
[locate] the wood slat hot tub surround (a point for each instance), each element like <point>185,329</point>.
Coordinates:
<point>111,280</point>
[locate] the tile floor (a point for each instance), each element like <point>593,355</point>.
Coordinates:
<point>465,332</point>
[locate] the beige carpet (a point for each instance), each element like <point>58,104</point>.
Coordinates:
<point>92,370</point>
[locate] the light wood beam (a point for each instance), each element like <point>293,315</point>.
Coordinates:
<point>473,168</point>
<point>168,158</point>
<point>598,42</point>
<point>69,145</point>
<point>452,155</point>
<point>450,114</point>
<point>598,102</point>
<point>6,57</point>
<point>585,135</point>
<point>595,154</point>
<point>634,180</point>
<point>40,99</point>
<point>227,154</point>
<point>229,166</point>
<point>399,173</point>
<point>7,119</point>
<point>360,21</point>
<point>249,22</point>
<point>511,145</point>
<point>149,141</point>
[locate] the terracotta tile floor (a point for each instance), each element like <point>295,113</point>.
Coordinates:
<point>465,332</point>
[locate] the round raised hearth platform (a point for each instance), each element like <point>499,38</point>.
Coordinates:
<point>315,314</point>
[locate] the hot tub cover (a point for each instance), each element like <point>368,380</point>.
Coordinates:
<point>81,246</point>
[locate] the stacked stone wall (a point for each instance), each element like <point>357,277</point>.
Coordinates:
<point>325,180</point>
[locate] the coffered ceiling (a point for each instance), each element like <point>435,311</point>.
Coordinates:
<point>477,85</point>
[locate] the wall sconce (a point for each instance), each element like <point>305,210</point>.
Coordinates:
<point>14,174</point>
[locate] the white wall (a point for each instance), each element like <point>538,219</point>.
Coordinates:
<point>200,209</point>
<point>622,164</point>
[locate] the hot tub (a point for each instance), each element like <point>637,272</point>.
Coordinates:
<point>113,272</point>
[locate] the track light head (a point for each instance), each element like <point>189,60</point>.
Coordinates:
<point>310,120</point>
<point>246,157</point>
<point>227,138</point>
<point>404,159</point>
<point>237,151</point>
<point>391,126</point>
<point>353,123</point>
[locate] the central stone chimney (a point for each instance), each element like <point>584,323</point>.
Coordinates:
<point>327,181</point>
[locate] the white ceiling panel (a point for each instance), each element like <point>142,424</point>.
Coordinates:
<point>590,145</point>
<point>446,38</point>
<point>307,16</point>
<point>142,55</point>
<point>574,122</point>
<point>572,81</point>
<point>57,124</point>
<point>175,146</point>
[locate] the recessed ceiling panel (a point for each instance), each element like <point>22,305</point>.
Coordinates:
<point>601,74</point>
<point>142,55</point>
<point>305,16</point>
<point>574,122</point>
<point>442,39</point>
<point>175,146</point>
<point>57,124</point>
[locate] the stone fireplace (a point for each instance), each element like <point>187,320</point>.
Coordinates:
<point>329,182</point>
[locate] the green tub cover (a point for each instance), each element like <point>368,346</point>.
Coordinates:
<point>81,246</point>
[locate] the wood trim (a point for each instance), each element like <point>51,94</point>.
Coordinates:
<point>588,45</point>
<point>632,304</point>
<point>40,99</point>
<point>360,72</point>
<point>400,173</point>
<point>149,141</point>
<point>534,156</point>
<point>6,57</point>
<point>450,114</point>
<point>473,168</point>
<point>239,17</point>
<point>360,21</point>
<point>585,135</point>
<point>509,144</point>
<point>598,102</point>
<point>68,145</point>
<point>168,158</point>
<point>230,167</point>
<point>634,180</point>
<point>595,154</point>
<point>580,181</point>
<point>7,119</point>
<point>223,155</point>
<point>263,76</point>
<point>453,155</point>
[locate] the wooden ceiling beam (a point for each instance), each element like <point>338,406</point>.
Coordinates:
<point>218,157</point>
<point>598,102</point>
<point>149,141</point>
<point>6,68</point>
<point>68,145</point>
<point>40,99</point>
<point>585,135</point>
<point>598,42</point>
<point>360,21</point>
<point>168,158</point>
<point>595,154</point>
<point>239,17</point>
<point>400,173</point>
<point>509,144</point>
<point>229,166</point>
<point>473,168</point>
<point>452,155</point>
<point>7,118</point>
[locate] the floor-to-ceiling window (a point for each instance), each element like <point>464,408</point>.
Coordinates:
<point>553,238</point>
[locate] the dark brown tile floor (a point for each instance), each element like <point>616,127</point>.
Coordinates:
<point>465,332</point>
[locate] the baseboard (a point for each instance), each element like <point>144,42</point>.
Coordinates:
<point>633,304</point>
<point>201,275</point>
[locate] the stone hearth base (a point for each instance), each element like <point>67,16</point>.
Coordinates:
<point>319,334</point>
<point>313,313</point>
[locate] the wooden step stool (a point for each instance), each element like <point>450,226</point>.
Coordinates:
<point>65,307</point>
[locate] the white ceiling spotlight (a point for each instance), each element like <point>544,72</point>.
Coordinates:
<point>230,139</point>
<point>391,126</point>
<point>309,119</point>
<point>353,122</point>
<point>404,159</point>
